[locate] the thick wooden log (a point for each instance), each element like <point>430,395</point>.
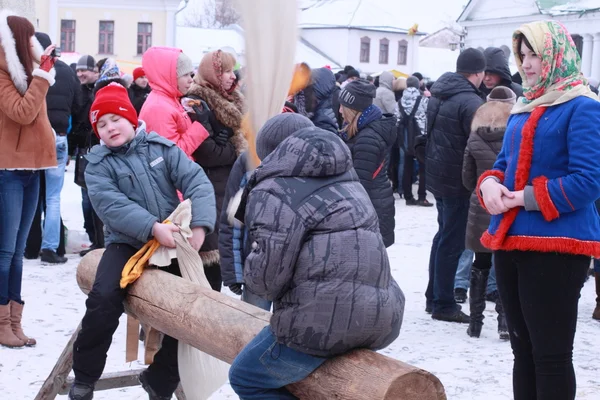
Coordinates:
<point>221,326</point>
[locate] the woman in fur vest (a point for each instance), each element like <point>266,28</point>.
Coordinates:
<point>220,111</point>
<point>485,142</point>
<point>27,146</point>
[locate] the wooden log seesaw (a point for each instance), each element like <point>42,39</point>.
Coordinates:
<point>221,326</point>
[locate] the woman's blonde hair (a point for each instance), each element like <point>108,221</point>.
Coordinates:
<point>228,61</point>
<point>351,117</point>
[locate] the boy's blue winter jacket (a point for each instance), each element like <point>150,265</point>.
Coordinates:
<point>135,186</point>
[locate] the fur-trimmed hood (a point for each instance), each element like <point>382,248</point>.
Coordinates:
<point>9,60</point>
<point>492,116</point>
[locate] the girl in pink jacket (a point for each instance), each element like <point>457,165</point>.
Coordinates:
<point>169,73</point>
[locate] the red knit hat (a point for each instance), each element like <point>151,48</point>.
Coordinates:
<point>138,73</point>
<point>112,99</point>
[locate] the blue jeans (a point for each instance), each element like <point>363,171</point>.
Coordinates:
<point>264,367</point>
<point>462,279</point>
<point>255,300</point>
<point>596,266</point>
<point>446,249</point>
<point>55,178</point>
<point>400,170</point>
<point>19,191</point>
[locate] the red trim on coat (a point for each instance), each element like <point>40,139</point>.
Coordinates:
<point>565,194</point>
<point>542,196</point>
<point>378,170</point>
<point>492,172</point>
<point>543,244</point>
<point>521,177</point>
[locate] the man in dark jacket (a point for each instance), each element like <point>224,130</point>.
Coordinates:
<point>323,85</point>
<point>497,73</point>
<point>84,138</point>
<point>62,101</point>
<point>455,100</point>
<point>319,256</point>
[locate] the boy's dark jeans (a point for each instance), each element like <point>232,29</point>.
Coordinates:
<point>446,249</point>
<point>540,293</point>
<point>264,367</point>
<point>104,308</point>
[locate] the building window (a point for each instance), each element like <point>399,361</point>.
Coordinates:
<point>67,35</point>
<point>365,49</point>
<point>107,37</point>
<point>402,52</point>
<point>384,51</point>
<point>144,37</point>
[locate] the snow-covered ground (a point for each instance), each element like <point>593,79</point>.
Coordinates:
<point>468,368</point>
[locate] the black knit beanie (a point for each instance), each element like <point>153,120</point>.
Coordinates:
<point>358,95</point>
<point>471,61</point>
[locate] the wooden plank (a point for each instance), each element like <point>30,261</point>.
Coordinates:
<point>112,380</point>
<point>57,380</point>
<point>221,326</point>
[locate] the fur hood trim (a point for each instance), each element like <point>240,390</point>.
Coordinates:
<point>492,115</point>
<point>210,258</point>
<point>13,65</point>
<point>229,113</point>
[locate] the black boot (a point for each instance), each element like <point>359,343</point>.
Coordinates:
<point>502,327</point>
<point>152,395</point>
<point>50,257</point>
<point>479,278</point>
<point>81,391</point>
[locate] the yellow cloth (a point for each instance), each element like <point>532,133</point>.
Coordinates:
<point>136,264</point>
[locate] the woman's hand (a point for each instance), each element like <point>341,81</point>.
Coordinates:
<point>47,61</point>
<point>518,200</point>
<point>493,194</point>
<point>164,234</point>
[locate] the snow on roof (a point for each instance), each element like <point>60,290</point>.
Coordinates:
<point>386,15</point>
<point>573,6</point>
<point>196,42</point>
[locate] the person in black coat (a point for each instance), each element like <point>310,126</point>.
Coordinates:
<point>370,135</point>
<point>63,101</point>
<point>455,99</point>
<point>323,83</point>
<point>139,89</point>
<point>497,73</point>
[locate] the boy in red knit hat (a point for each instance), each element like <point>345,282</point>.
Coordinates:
<point>139,89</point>
<point>132,179</point>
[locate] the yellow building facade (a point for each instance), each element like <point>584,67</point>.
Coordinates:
<point>121,29</point>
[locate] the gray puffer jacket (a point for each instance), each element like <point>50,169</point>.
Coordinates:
<point>136,185</point>
<point>318,253</point>
<point>385,97</point>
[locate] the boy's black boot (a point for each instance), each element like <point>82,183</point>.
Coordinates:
<point>81,391</point>
<point>479,278</point>
<point>152,395</point>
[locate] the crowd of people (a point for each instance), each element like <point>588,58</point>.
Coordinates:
<point>514,171</point>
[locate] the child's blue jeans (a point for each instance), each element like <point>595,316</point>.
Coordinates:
<point>264,367</point>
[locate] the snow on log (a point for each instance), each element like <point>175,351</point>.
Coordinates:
<point>221,326</point>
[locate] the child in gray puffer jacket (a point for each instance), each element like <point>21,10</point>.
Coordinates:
<point>319,256</point>
<point>132,180</point>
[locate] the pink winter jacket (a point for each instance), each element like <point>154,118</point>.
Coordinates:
<point>162,112</point>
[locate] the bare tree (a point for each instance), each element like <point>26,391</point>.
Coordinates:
<point>213,14</point>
